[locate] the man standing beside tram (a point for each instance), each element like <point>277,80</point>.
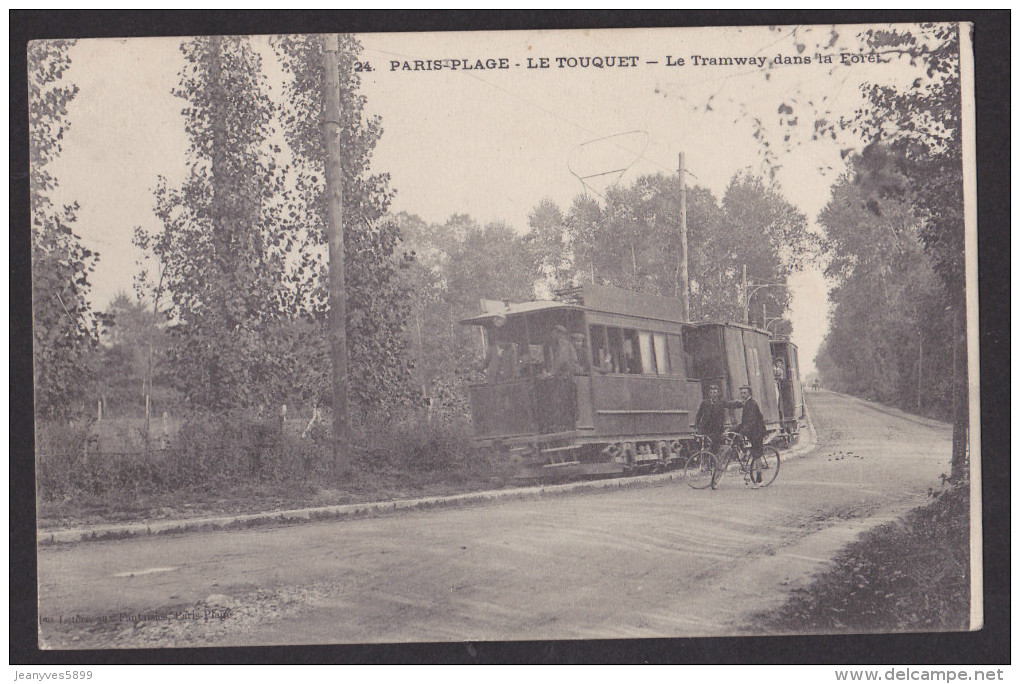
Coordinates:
<point>752,422</point>
<point>711,418</point>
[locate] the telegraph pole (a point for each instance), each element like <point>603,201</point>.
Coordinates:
<point>920,362</point>
<point>335,239</point>
<point>743,290</point>
<point>685,291</point>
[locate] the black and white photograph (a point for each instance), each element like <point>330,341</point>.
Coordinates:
<point>501,336</point>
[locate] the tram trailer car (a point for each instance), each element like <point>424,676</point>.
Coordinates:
<point>786,369</point>
<point>631,401</point>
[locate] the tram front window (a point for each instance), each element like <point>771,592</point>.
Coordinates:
<point>504,357</point>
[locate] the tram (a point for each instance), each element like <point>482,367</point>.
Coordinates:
<point>603,380</point>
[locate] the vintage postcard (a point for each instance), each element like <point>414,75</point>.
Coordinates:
<point>502,336</point>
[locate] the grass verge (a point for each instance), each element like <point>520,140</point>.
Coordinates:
<point>909,576</point>
<point>216,467</point>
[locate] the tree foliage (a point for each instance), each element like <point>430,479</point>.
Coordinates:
<point>222,251</point>
<point>547,233</point>
<point>631,242</point>
<point>453,265</point>
<point>377,301</point>
<point>915,115</point>
<point>903,146</point>
<point>134,340</point>
<point>65,328</point>
<point>911,106</point>
<point>922,124</point>
<point>634,242</point>
<point>238,267</point>
<point>908,177</point>
<point>889,323</point>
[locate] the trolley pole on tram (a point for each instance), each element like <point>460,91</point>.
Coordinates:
<point>747,290</point>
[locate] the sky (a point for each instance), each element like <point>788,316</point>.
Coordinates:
<point>491,142</point>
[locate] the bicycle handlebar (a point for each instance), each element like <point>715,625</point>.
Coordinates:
<point>732,436</point>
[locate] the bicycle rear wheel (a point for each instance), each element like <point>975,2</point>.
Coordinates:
<point>700,469</point>
<point>763,469</point>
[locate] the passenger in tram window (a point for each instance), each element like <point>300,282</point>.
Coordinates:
<point>489,361</point>
<point>634,365</point>
<point>532,363</point>
<point>631,362</point>
<point>581,350</point>
<point>616,357</point>
<point>565,361</point>
<point>631,354</point>
<point>508,366</point>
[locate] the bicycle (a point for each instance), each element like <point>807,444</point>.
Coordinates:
<point>704,468</point>
<point>699,468</point>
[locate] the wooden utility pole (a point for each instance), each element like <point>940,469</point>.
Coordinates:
<point>920,366</point>
<point>685,288</point>
<point>335,239</point>
<point>743,291</point>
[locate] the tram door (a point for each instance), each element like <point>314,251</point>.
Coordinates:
<point>760,375</point>
<point>736,367</point>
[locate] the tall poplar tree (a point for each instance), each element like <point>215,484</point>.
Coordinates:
<point>222,249</point>
<point>64,325</point>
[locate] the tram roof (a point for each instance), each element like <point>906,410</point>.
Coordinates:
<point>602,299</point>
<point>730,324</point>
<point>588,297</point>
<point>495,309</point>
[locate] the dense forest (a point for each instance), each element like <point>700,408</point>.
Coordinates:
<point>895,240</point>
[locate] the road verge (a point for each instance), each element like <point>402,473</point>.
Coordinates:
<point>117,531</point>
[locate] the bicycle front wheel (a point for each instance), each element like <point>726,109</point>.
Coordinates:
<point>763,469</point>
<point>699,471</point>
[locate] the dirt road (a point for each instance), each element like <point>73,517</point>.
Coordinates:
<point>661,560</point>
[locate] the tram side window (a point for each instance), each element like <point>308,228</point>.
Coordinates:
<point>601,358</point>
<point>631,353</point>
<point>704,354</point>
<point>678,361</point>
<point>662,365</point>
<point>616,355</point>
<point>647,353</point>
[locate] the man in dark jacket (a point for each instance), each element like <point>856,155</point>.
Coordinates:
<point>565,362</point>
<point>752,422</point>
<point>711,418</point>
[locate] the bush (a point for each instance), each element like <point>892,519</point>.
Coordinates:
<point>207,452</point>
<point>244,457</point>
<point>239,447</point>
<point>413,443</point>
<point>62,466</point>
